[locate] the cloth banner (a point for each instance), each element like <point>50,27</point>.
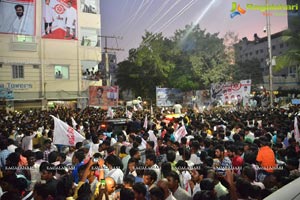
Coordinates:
<point>65,134</point>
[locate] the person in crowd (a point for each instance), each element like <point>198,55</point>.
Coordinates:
<point>177,191</point>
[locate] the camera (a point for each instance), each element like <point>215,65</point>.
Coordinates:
<point>95,159</point>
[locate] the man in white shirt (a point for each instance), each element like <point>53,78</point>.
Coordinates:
<point>70,20</point>
<point>48,17</point>
<point>27,140</point>
<point>177,108</point>
<point>20,25</point>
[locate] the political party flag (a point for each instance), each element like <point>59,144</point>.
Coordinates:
<point>296,129</point>
<point>65,134</point>
<point>180,133</point>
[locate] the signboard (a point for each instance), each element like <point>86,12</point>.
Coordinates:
<point>231,92</point>
<point>168,96</point>
<point>6,93</point>
<point>295,101</point>
<point>17,17</point>
<point>59,19</point>
<point>104,96</point>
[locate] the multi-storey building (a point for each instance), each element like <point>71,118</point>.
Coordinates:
<point>42,61</point>
<point>289,77</point>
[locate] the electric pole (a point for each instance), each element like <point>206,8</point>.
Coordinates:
<point>106,49</point>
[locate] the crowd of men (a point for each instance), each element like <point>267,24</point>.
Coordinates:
<point>215,154</point>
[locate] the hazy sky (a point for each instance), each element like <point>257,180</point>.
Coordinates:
<point>130,18</point>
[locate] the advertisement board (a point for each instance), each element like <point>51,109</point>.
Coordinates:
<point>59,19</point>
<point>17,17</point>
<point>231,92</point>
<point>166,97</point>
<point>104,96</point>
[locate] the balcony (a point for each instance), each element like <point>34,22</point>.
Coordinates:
<point>23,43</point>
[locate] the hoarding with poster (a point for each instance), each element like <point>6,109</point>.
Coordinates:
<point>231,92</point>
<point>104,96</point>
<point>59,19</point>
<point>168,96</point>
<point>17,17</point>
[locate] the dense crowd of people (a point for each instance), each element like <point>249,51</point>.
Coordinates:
<point>215,154</point>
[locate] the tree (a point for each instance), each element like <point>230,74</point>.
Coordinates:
<point>206,60</point>
<point>190,60</point>
<point>250,69</point>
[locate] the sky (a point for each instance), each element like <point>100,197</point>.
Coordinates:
<point>129,19</point>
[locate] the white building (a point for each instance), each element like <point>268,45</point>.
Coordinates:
<point>45,64</point>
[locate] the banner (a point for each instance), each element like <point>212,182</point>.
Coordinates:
<point>6,93</point>
<point>104,96</point>
<point>17,17</point>
<point>59,19</point>
<point>168,96</point>
<point>89,6</point>
<point>65,134</point>
<point>231,92</point>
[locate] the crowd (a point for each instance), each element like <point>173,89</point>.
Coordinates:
<point>215,154</point>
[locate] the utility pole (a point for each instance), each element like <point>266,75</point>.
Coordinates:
<point>270,54</point>
<point>106,49</point>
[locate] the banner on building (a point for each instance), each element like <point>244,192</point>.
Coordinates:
<point>59,19</point>
<point>89,6</point>
<point>104,96</point>
<point>6,93</point>
<point>17,17</point>
<point>231,92</point>
<point>168,96</point>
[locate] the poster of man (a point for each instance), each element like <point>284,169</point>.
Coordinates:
<point>104,96</point>
<point>59,19</point>
<point>17,17</point>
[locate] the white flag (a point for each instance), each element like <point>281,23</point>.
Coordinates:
<point>74,123</point>
<point>65,134</point>
<point>180,133</point>
<point>146,122</point>
<point>296,130</point>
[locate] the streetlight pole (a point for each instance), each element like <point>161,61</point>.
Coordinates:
<point>270,53</point>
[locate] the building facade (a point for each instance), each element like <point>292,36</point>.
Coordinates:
<point>45,64</point>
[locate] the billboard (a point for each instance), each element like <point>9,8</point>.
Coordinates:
<point>103,96</point>
<point>167,96</point>
<point>17,17</point>
<point>89,6</point>
<point>231,92</point>
<point>59,19</point>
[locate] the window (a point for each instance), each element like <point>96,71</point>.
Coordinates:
<point>24,38</point>
<point>18,71</point>
<point>256,52</point>
<point>250,53</point>
<point>89,37</point>
<point>273,47</point>
<point>89,6</point>
<point>61,72</point>
<point>281,45</point>
<point>261,51</point>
